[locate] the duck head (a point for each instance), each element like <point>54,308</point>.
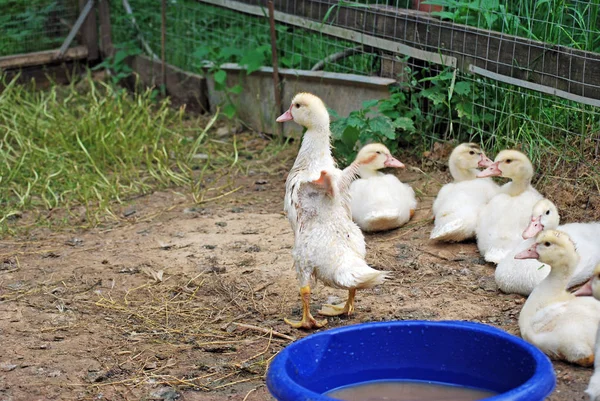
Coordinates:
<point>543,217</point>
<point>592,287</point>
<point>465,159</point>
<point>509,163</point>
<point>307,110</point>
<point>554,248</point>
<point>373,157</point>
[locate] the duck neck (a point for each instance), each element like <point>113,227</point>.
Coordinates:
<point>462,174</point>
<point>366,172</point>
<point>315,142</point>
<point>552,289</point>
<point>517,187</point>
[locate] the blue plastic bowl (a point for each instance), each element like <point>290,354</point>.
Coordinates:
<point>453,352</point>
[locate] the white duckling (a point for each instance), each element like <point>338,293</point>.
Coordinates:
<point>502,220</point>
<point>314,155</point>
<point>457,205</point>
<point>562,325</point>
<point>521,276</point>
<point>328,245</point>
<point>592,287</point>
<point>380,201</point>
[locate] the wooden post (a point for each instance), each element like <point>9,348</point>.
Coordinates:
<point>89,33</point>
<point>106,44</point>
<point>278,127</point>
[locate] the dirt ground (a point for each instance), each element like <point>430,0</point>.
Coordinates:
<point>177,300</point>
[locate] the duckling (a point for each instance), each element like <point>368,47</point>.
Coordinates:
<point>521,276</point>
<point>562,325</point>
<point>457,205</point>
<point>327,244</point>
<point>314,155</point>
<point>502,220</point>
<point>380,201</point>
<point>592,287</point>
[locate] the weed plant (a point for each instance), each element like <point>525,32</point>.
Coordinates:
<point>89,144</point>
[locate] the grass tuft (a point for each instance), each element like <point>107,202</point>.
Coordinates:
<point>90,144</point>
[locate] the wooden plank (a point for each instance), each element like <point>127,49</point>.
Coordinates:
<point>573,71</point>
<point>40,58</point>
<point>89,32</point>
<point>106,44</point>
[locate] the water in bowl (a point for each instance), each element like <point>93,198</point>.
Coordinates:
<point>402,390</point>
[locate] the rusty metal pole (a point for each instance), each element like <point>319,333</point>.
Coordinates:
<point>278,127</point>
<point>163,41</point>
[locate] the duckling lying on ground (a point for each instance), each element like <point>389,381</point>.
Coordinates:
<point>457,205</point>
<point>559,323</point>
<point>380,201</point>
<point>502,220</point>
<point>592,287</point>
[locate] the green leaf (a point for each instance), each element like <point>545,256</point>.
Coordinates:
<point>462,87</point>
<point>405,124</point>
<point>236,89</point>
<point>354,120</point>
<point>333,113</point>
<point>120,56</point>
<point>370,103</point>
<point>227,52</point>
<point>229,110</point>
<point>444,15</point>
<point>350,136</point>
<point>435,95</point>
<point>220,76</point>
<point>383,125</point>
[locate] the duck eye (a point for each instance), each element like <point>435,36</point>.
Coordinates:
<point>547,212</point>
<point>297,105</point>
<point>547,243</point>
<point>471,153</point>
<point>378,152</point>
<point>508,161</point>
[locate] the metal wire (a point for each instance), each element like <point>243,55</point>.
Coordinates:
<point>35,25</point>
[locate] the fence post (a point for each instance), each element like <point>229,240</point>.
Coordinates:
<point>106,44</point>
<point>89,33</point>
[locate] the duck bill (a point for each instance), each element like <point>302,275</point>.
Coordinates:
<point>287,116</point>
<point>534,228</point>
<point>393,162</point>
<point>585,290</point>
<point>530,253</point>
<point>484,161</point>
<point>491,171</point>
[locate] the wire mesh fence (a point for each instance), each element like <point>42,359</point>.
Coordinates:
<point>506,74</point>
<point>36,25</point>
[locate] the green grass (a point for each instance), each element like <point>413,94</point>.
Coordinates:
<point>90,145</point>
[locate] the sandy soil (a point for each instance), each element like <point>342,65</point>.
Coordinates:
<point>147,308</point>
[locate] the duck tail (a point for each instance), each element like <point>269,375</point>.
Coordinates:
<point>382,220</point>
<point>454,230</point>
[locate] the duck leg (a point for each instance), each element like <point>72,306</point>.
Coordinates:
<point>341,309</point>
<point>308,321</point>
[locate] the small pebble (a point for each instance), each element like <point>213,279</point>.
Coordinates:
<point>221,223</point>
<point>7,367</point>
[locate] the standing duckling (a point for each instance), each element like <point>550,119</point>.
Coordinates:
<point>562,325</point>
<point>502,220</point>
<point>457,205</point>
<point>327,245</point>
<point>380,201</point>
